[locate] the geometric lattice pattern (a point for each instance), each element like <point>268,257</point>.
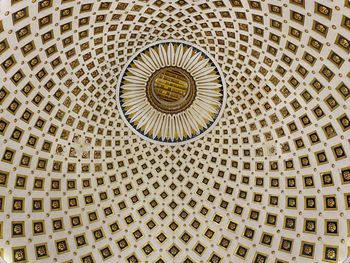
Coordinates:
<point>270,183</point>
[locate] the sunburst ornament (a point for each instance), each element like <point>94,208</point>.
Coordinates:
<point>171,92</point>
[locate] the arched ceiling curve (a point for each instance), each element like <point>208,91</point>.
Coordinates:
<point>270,183</point>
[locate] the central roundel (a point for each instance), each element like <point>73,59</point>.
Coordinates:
<point>171,89</point>
<point>171,92</point>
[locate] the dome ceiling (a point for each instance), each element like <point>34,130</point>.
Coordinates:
<point>269,183</point>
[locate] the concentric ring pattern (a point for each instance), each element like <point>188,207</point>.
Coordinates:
<point>269,183</point>
<point>171,92</point>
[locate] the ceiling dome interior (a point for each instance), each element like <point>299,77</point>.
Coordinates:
<point>269,183</point>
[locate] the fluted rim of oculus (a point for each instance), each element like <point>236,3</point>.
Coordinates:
<point>178,111</point>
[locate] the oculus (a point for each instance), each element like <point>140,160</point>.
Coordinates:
<point>171,92</point>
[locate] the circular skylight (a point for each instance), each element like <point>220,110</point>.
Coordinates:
<point>171,92</point>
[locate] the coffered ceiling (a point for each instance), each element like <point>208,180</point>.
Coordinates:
<point>269,183</point>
